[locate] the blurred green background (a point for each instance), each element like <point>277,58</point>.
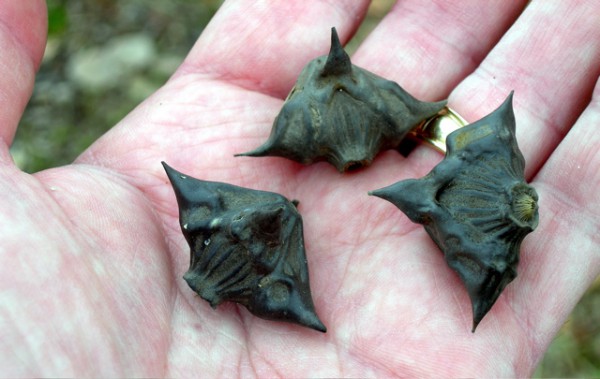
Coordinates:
<point>103,57</point>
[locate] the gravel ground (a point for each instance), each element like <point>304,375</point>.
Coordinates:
<point>103,57</point>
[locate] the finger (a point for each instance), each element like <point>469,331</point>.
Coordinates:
<point>551,58</point>
<point>428,47</point>
<point>263,46</point>
<point>554,272</point>
<point>22,37</point>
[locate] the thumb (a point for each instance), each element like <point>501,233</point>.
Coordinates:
<point>23,26</point>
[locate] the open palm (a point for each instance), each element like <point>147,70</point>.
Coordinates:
<point>92,256</point>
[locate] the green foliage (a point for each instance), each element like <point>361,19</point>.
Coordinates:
<point>57,17</point>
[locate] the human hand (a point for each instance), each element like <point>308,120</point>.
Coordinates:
<point>92,254</point>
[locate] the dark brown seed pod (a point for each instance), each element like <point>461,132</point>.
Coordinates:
<point>246,246</point>
<point>475,205</point>
<point>342,114</point>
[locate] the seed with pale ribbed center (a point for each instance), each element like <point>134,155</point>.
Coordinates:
<point>475,205</point>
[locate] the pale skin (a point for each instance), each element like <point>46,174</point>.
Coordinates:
<point>92,257</point>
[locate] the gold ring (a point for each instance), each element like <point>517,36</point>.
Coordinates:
<point>434,130</point>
